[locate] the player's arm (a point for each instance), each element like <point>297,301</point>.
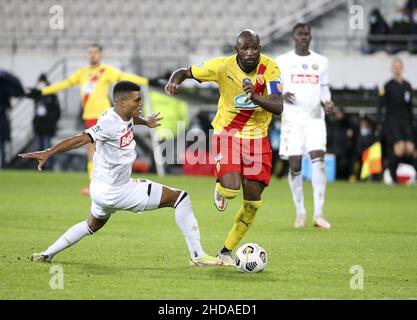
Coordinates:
<point>123,76</point>
<point>151,121</point>
<point>206,71</point>
<point>62,146</point>
<point>53,88</point>
<point>382,103</point>
<point>71,81</point>
<point>177,77</point>
<point>273,104</point>
<point>325,94</point>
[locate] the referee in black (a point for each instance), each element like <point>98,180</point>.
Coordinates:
<point>396,99</point>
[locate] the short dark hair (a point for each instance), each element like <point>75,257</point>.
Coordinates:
<point>301,25</point>
<point>121,88</point>
<point>96,45</point>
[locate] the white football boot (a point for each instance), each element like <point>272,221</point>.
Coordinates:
<point>227,258</point>
<point>300,221</point>
<point>219,201</point>
<point>206,260</point>
<point>39,257</point>
<point>321,222</point>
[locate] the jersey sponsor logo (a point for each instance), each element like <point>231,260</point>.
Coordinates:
<point>242,104</point>
<point>260,78</point>
<point>305,78</point>
<point>126,139</point>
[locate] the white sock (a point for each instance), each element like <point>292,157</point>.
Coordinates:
<point>296,186</point>
<point>188,224</point>
<point>318,180</point>
<point>72,236</point>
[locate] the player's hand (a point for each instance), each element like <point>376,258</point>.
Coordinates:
<point>329,107</point>
<point>153,120</point>
<point>289,97</point>
<point>34,94</point>
<point>171,88</point>
<point>249,90</point>
<point>41,156</point>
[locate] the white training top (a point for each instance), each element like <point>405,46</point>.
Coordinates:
<point>115,149</point>
<point>307,78</point>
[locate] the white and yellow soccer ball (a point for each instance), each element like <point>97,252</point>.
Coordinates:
<point>251,257</point>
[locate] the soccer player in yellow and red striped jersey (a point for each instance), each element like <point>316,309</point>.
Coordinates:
<point>250,91</point>
<point>94,82</point>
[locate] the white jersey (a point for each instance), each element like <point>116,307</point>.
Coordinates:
<point>307,78</point>
<point>115,149</point>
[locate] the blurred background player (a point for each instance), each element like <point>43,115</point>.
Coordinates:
<point>111,186</point>
<point>240,140</point>
<point>396,100</point>
<point>306,88</point>
<point>94,81</point>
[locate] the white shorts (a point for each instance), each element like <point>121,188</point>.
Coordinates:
<point>301,137</point>
<point>137,195</point>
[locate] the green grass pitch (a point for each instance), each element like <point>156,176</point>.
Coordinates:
<point>145,256</point>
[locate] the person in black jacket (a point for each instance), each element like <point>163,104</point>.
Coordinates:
<point>47,114</point>
<point>396,99</point>
<point>377,27</point>
<point>10,86</point>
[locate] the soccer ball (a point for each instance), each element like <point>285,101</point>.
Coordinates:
<point>251,257</point>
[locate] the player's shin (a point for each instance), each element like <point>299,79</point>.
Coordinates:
<point>295,180</point>
<point>72,236</point>
<point>243,220</point>
<point>318,180</point>
<point>226,193</point>
<point>188,225</point>
<point>90,169</point>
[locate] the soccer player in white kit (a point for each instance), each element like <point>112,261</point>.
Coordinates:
<point>111,187</point>
<point>304,75</point>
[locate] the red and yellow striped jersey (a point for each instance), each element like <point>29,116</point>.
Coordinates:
<point>94,85</point>
<point>235,113</point>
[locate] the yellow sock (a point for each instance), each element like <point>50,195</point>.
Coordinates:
<point>90,169</point>
<point>226,193</point>
<point>243,220</point>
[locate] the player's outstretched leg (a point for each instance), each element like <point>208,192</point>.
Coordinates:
<point>187,223</point>
<point>70,237</point>
<point>295,180</point>
<point>318,180</point>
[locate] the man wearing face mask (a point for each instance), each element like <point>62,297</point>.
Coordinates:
<point>396,100</point>
<point>47,114</point>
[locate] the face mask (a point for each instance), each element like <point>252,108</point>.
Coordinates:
<point>365,132</point>
<point>40,85</point>
<point>398,17</point>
